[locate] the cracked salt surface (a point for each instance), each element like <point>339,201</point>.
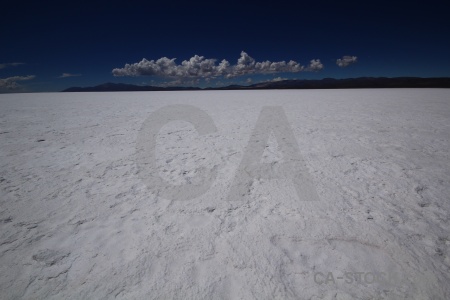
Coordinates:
<point>77,222</point>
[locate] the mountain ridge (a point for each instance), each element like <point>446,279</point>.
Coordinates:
<point>325,83</point>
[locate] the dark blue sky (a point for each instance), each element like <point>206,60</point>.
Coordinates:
<point>90,40</point>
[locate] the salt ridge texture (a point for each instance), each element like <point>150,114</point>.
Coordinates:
<point>77,222</point>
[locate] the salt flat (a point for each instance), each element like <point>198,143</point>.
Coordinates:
<point>79,222</point>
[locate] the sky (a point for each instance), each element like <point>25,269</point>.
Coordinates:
<point>48,46</point>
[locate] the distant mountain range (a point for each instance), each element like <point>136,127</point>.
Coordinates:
<point>123,87</point>
<point>326,83</point>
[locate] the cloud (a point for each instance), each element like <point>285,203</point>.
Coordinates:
<point>315,65</point>
<point>278,79</point>
<point>178,82</point>
<point>201,67</point>
<point>65,75</point>
<point>346,61</point>
<point>5,65</point>
<point>10,83</point>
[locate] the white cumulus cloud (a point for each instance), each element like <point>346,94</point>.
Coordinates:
<point>201,67</point>
<point>10,83</point>
<point>315,65</point>
<point>346,61</point>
